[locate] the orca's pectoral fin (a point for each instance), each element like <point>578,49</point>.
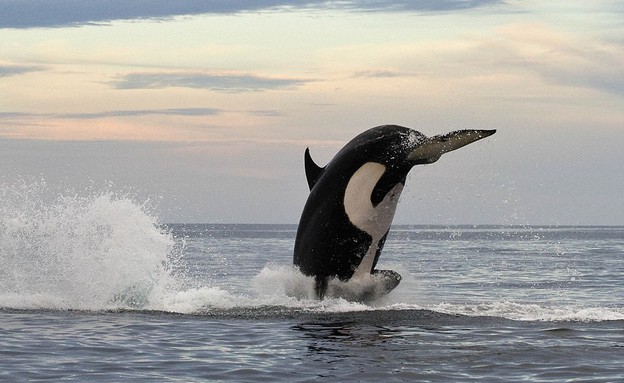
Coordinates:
<point>312,170</point>
<point>389,279</point>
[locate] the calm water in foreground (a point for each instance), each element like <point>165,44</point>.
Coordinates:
<point>97,291</point>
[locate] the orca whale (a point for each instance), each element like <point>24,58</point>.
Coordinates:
<point>352,201</point>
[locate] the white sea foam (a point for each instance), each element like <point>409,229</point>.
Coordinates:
<point>283,281</point>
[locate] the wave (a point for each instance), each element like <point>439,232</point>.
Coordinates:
<point>521,311</point>
<point>105,251</point>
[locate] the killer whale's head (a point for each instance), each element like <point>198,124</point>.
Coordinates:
<point>434,147</point>
<point>399,149</point>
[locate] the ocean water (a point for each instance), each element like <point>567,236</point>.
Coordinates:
<point>96,288</point>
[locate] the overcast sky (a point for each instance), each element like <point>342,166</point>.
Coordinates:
<point>207,106</point>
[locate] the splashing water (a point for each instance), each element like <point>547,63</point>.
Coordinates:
<point>74,252</point>
<point>105,251</point>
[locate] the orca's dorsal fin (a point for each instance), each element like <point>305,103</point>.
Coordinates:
<point>312,170</point>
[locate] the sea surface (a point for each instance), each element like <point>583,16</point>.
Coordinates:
<point>97,289</point>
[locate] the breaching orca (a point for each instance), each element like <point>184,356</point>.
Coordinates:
<point>352,201</point>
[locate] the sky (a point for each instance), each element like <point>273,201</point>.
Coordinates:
<point>206,107</point>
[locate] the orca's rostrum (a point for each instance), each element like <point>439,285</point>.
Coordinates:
<point>352,201</point>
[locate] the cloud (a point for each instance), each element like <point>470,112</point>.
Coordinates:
<point>115,113</point>
<point>595,67</point>
<point>13,70</point>
<point>562,59</point>
<point>144,112</point>
<point>511,52</point>
<point>183,112</point>
<point>383,73</point>
<point>63,13</point>
<point>217,82</point>
<point>264,113</point>
<point>417,6</point>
